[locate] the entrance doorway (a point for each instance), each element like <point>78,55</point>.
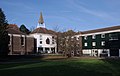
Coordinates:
<point>114,52</point>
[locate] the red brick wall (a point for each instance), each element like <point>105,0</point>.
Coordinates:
<point>17,48</point>
<point>30,44</point>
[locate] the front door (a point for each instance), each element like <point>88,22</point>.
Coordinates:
<point>114,52</point>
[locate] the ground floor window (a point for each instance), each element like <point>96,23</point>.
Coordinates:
<point>46,50</point>
<point>53,50</point>
<point>40,49</point>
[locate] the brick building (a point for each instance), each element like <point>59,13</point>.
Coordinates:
<point>20,43</point>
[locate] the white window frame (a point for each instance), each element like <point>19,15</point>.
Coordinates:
<point>85,37</point>
<point>103,43</point>
<point>85,44</point>
<point>93,43</point>
<point>102,35</point>
<point>93,36</point>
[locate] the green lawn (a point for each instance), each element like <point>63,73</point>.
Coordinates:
<point>63,67</point>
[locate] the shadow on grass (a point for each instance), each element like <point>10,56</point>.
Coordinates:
<point>57,68</point>
<point>63,67</point>
<point>15,58</point>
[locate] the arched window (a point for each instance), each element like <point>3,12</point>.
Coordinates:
<point>47,41</point>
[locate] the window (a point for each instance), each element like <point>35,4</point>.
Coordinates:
<point>53,40</point>
<point>85,44</point>
<point>47,41</point>
<point>93,36</point>
<point>22,40</point>
<point>102,35</point>
<point>113,36</point>
<point>85,37</point>
<point>40,42</point>
<point>93,43</point>
<point>53,37</point>
<point>10,39</point>
<point>40,37</point>
<point>103,43</point>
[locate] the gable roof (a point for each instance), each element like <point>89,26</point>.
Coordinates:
<point>43,30</point>
<point>101,30</point>
<point>14,29</point>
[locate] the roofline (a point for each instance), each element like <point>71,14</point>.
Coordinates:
<point>101,29</point>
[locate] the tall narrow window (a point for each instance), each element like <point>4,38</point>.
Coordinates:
<point>40,37</point>
<point>53,40</point>
<point>22,41</point>
<point>10,39</point>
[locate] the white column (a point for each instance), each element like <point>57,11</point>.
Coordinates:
<point>44,49</point>
<point>91,53</point>
<point>108,53</point>
<point>37,50</point>
<point>119,52</point>
<point>50,50</point>
<point>55,50</point>
<point>98,52</point>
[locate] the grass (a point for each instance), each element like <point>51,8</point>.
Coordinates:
<point>62,67</point>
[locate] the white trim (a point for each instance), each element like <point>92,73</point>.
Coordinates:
<point>85,44</point>
<point>93,43</point>
<point>102,35</point>
<point>42,34</point>
<point>119,52</point>
<point>104,32</point>
<point>102,43</point>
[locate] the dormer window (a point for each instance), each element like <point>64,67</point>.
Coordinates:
<point>85,37</point>
<point>93,36</point>
<point>102,35</point>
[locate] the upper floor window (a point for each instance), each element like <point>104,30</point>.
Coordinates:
<point>93,43</point>
<point>113,36</point>
<point>103,43</point>
<point>40,37</point>
<point>47,41</point>
<point>93,36</point>
<point>85,44</point>
<point>22,40</point>
<point>102,35</point>
<point>40,42</point>
<point>85,37</point>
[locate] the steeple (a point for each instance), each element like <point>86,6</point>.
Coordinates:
<point>41,21</point>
